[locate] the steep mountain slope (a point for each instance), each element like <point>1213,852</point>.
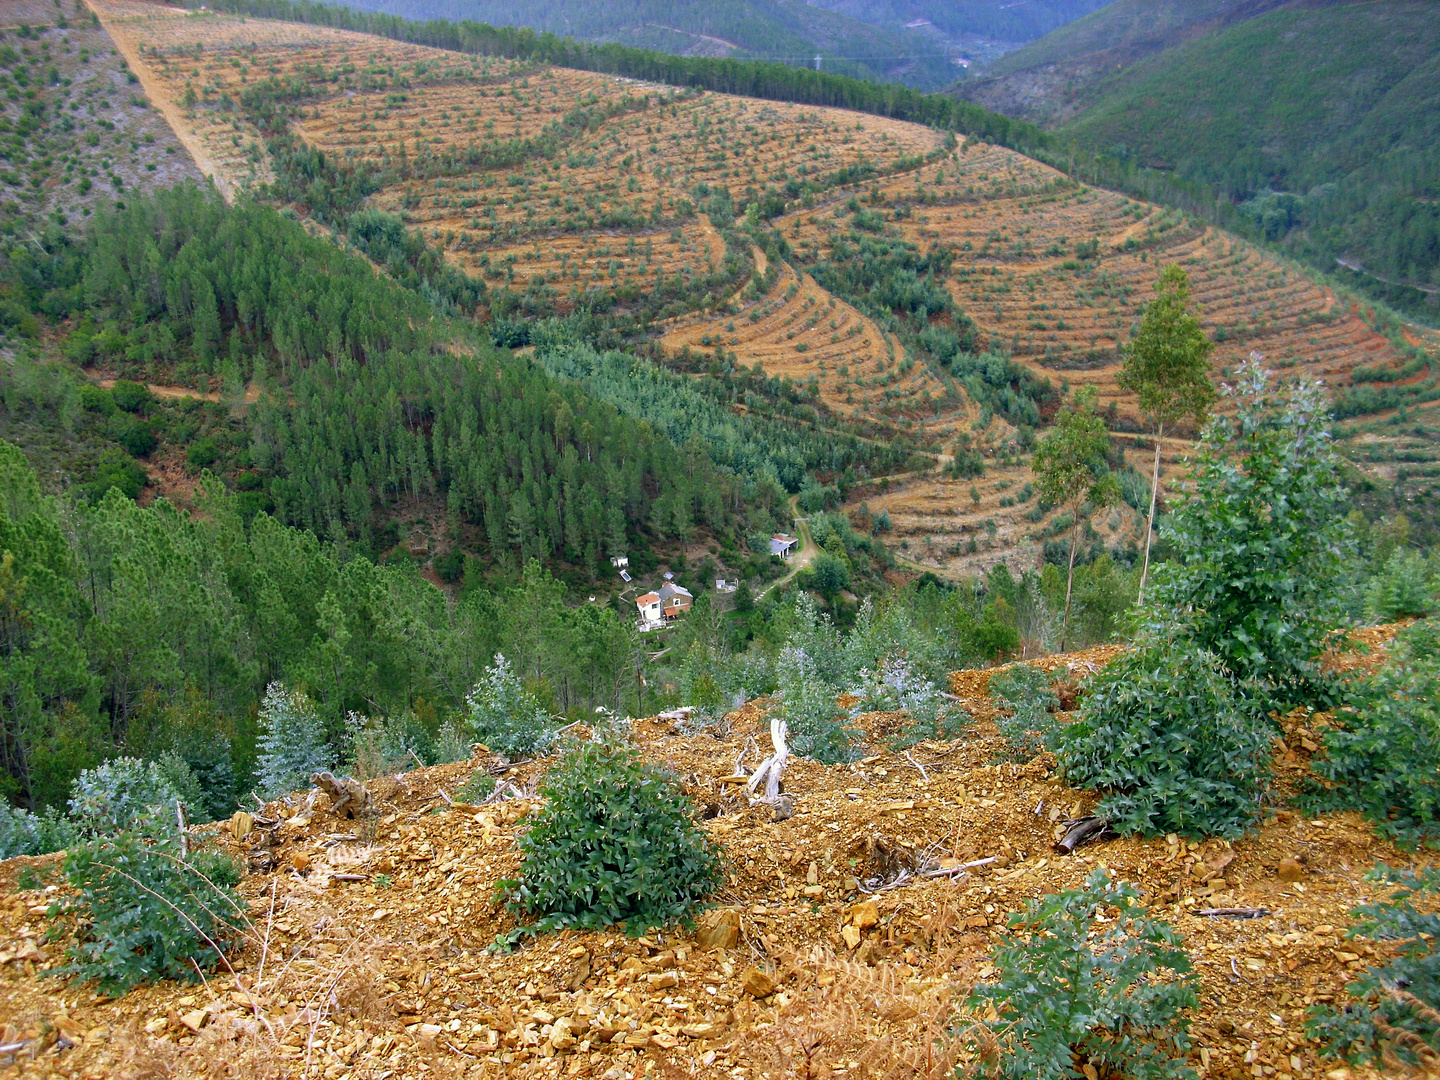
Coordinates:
<point>1318,121</point>
<point>789,31</point>
<point>1043,80</point>
<point>977,29</point>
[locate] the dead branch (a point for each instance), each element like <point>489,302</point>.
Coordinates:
<point>770,770</point>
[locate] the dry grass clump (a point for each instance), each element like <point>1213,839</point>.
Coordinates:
<point>838,1015</point>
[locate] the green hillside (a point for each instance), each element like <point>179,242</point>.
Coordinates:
<point>789,31</point>
<point>1312,128</point>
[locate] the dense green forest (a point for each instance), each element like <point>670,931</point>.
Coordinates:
<point>370,408</point>
<point>785,31</point>
<point>1311,129</point>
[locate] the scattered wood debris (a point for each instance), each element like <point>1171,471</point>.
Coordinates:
<point>370,953</point>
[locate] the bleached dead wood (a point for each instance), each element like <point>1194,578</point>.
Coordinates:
<point>771,769</point>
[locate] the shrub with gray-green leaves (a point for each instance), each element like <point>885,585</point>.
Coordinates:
<point>125,793</point>
<point>818,727</point>
<point>614,842</point>
<point>293,743</point>
<point>1026,698</point>
<point>1087,977</point>
<point>1169,742</point>
<point>506,717</point>
<point>142,911</point>
<point>24,833</point>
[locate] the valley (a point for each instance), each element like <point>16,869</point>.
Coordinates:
<point>561,190</point>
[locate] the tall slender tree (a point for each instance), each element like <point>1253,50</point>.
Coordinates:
<point>1065,466</point>
<point>1167,367</point>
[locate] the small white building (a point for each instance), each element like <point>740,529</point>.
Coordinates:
<point>721,585</point>
<point>620,562</point>
<point>784,546</point>
<point>651,610</point>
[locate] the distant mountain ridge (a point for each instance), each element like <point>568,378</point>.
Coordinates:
<point>786,30</point>
<point>1046,80</point>
<point>1314,124</point>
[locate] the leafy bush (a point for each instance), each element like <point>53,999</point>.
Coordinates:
<point>383,744</point>
<point>817,725</point>
<point>1259,542</point>
<point>1382,750</point>
<point>1113,989</point>
<point>1395,1004</point>
<point>202,453</point>
<point>134,434</point>
<point>292,742</point>
<point>1403,588</point>
<point>505,716</point>
<point>24,833</point>
<point>1028,698</point>
<point>614,843</point>
<point>141,912</point>
<point>130,396</point>
<point>116,470</point>
<point>124,794</point>
<point>1165,735</point>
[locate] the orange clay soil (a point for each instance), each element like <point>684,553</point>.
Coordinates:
<point>797,330</point>
<point>367,954</point>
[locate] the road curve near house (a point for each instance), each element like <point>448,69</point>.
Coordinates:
<point>808,548</point>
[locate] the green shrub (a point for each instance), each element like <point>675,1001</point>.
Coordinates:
<point>97,399</point>
<point>818,727</point>
<point>1027,698</point>
<point>24,833</point>
<point>142,913</point>
<point>1380,1022</point>
<point>1164,735</point>
<point>1260,543</point>
<point>1073,980</point>
<point>116,470</point>
<point>1382,749</point>
<point>292,742</point>
<point>383,744</point>
<point>451,566</point>
<point>129,396</point>
<point>614,843</point>
<point>202,454</point>
<point>1402,589</point>
<point>125,793</point>
<point>134,434</point>
<point>506,717</point>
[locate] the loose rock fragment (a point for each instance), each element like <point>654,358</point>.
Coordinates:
<point>1290,870</point>
<point>757,984</point>
<point>719,930</point>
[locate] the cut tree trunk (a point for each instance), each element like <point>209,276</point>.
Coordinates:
<point>1070,577</point>
<point>1150,521</point>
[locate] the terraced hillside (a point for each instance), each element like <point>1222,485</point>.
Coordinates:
<point>562,190</point>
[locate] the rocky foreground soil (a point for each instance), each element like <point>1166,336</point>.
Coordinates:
<point>845,934</point>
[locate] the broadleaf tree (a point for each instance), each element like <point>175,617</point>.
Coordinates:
<point>1167,367</point>
<point>1069,471</point>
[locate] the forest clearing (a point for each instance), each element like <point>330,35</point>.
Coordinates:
<point>869,911</point>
